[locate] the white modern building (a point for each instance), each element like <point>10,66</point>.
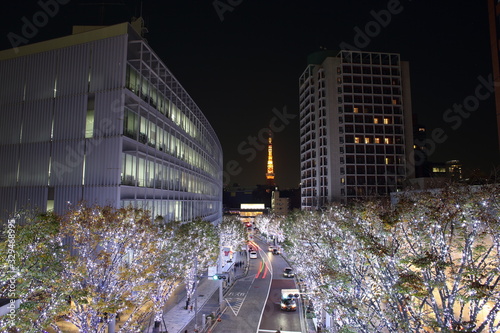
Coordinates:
<point>355,126</point>
<point>97,117</point>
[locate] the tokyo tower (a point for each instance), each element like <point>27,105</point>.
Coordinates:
<point>270,167</point>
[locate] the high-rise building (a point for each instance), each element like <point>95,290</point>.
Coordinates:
<point>494,19</point>
<point>97,117</point>
<point>355,126</point>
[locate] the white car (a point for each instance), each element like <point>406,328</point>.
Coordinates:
<point>253,255</point>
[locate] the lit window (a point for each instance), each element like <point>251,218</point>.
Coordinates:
<point>387,140</point>
<point>89,125</point>
<point>421,129</point>
<point>367,140</point>
<point>387,160</point>
<point>50,205</point>
<point>377,140</point>
<point>387,121</point>
<point>356,140</point>
<point>375,120</point>
<point>356,110</point>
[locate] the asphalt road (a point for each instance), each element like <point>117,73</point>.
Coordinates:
<point>254,301</point>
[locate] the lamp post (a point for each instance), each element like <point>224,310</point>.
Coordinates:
<point>196,293</point>
<point>219,271</point>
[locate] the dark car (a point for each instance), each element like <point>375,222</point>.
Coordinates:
<point>288,272</point>
<point>276,251</point>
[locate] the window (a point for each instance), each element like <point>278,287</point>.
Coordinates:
<point>89,123</point>
<point>387,121</point>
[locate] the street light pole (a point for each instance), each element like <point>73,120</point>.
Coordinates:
<point>196,293</point>
<point>219,271</point>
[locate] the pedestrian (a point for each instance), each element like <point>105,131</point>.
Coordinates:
<point>191,308</point>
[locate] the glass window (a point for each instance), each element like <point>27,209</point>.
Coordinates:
<point>89,124</point>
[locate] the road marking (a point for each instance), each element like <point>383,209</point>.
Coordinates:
<point>274,331</point>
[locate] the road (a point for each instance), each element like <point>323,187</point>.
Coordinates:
<point>254,301</point>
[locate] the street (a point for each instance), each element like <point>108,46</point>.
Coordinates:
<point>254,301</point>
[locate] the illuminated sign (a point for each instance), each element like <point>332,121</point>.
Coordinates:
<point>252,206</point>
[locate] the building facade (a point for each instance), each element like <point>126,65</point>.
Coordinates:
<point>279,205</point>
<point>355,126</point>
<point>494,20</point>
<point>97,117</point>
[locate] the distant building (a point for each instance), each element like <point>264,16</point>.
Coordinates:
<point>279,205</point>
<point>355,126</point>
<point>97,116</point>
<point>494,19</point>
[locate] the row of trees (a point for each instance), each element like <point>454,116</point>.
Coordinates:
<point>95,262</point>
<point>426,262</point>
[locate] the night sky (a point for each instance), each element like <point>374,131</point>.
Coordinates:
<point>242,61</point>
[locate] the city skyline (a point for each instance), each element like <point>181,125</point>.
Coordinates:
<point>241,63</point>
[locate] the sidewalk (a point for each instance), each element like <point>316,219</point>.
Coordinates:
<point>176,319</point>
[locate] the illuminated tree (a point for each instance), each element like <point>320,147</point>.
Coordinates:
<point>99,258</point>
<point>31,271</point>
<point>271,225</point>
<point>199,243</point>
<point>232,232</point>
<point>428,263</point>
<point>110,257</point>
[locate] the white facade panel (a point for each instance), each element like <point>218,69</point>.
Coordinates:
<point>69,117</point>
<point>101,195</point>
<point>9,158</point>
<point>65,196</point>
<point>37,121</point>
<point>108,63</point>
<point>103,161</point>
<point>108,119</point>
<point>31,197</point>
<point>73,70</point>
<point>34,164</point>
<point>67,162</point>
<point>8,200</point>
<point>11,115</point>
<point>12,83</point>
<point>41,76</point>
